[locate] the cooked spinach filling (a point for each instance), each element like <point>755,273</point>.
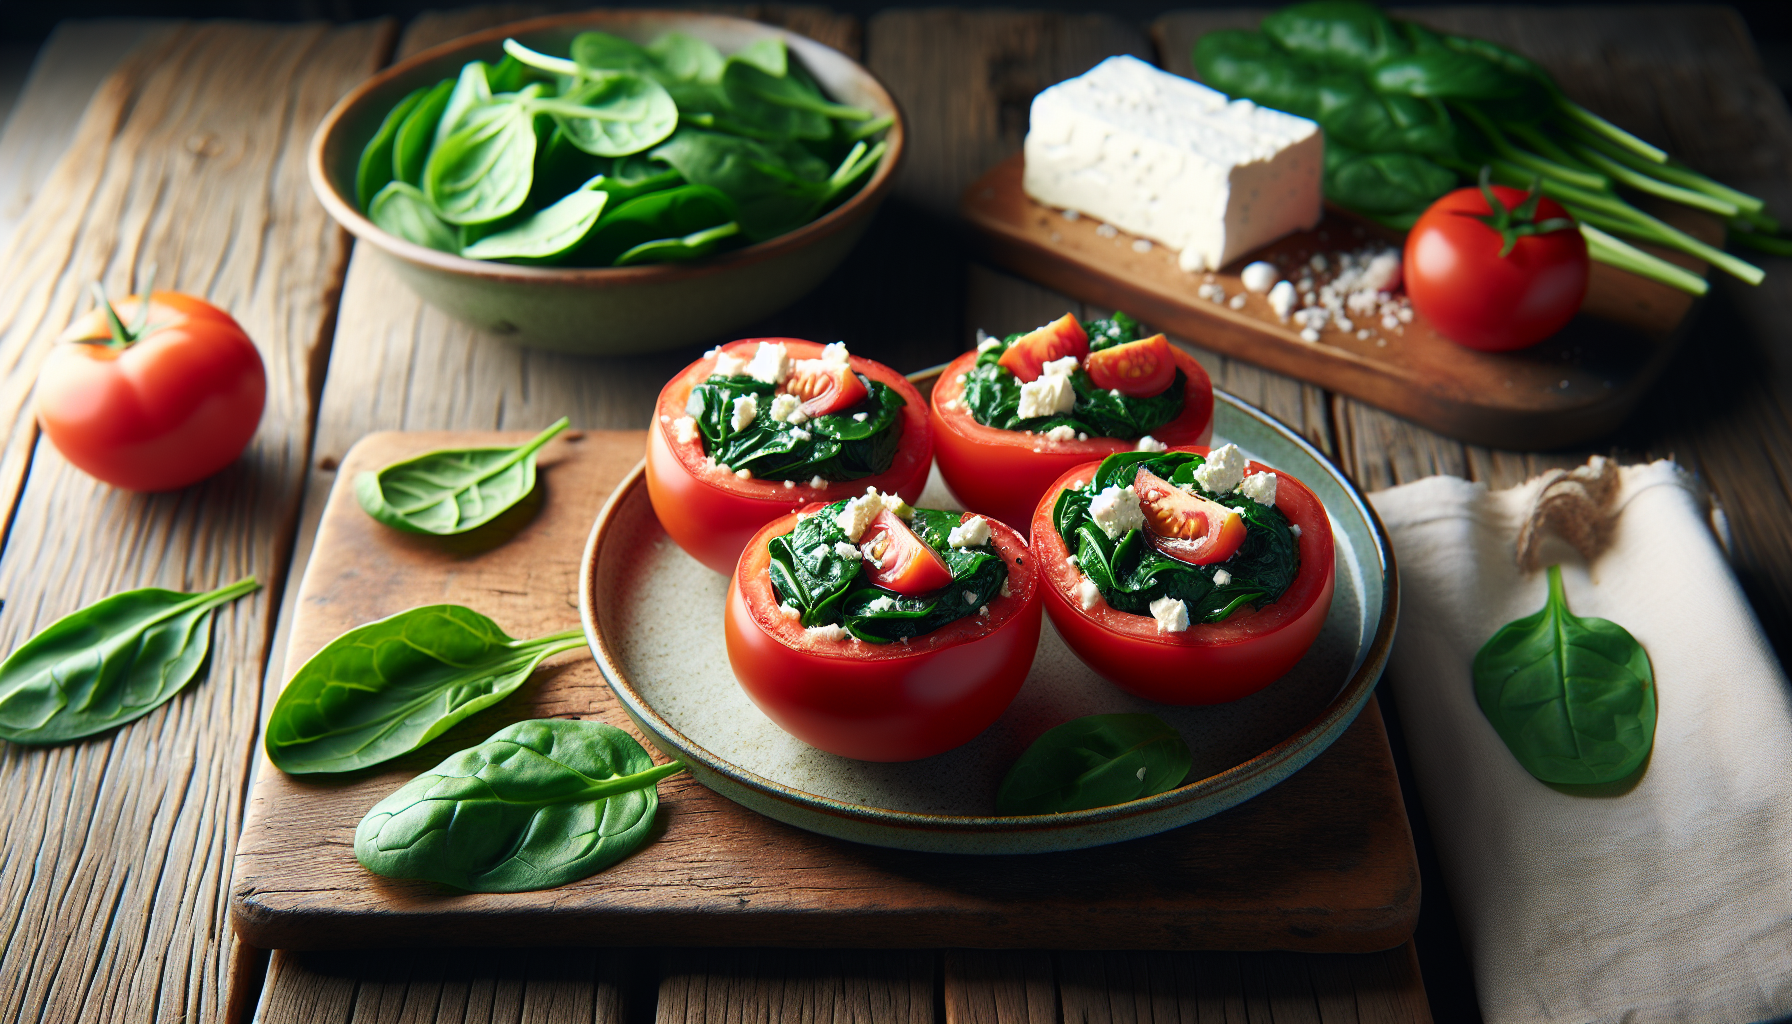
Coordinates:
<point>837,446</point>
<point>1131,574</point>
<point>827,586</point>
<point>992,394</point>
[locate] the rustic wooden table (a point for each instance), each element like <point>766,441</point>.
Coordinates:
<point>116,851</point>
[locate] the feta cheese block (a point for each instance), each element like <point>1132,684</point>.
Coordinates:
<point>1169,159</point>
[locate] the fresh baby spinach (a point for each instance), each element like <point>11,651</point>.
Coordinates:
<point>663,214</point>
<point>1573,698</point>
<point>547,232</point>
<point>109,663</point>
<point>1096,761</point>
<point>375,168</point>
<point>835,446</point>
<point>453,490</point>
<point>539,804</point>
<point>992,393</point>
<point>417,135</point>
<point>390,686</point>
<point>403,210</point>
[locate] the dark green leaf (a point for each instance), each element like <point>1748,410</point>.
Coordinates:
<point>772,189</point>
<point>992,394</point>
<point>483,170</point>
<point>693,246</point>
<point>1392,124</point>
<point>597,52</point>
<point>453,490</point>
<point>835,447</point>
<point>1097,761</point>
<point>546,233</point>
<point>375,168</point>
<point>768,55</point>
<point>1343,34</point>
<point>540,804</point>
<point>1385,183</point>
<point>1249,65</point>
<point>1573,698</point>
<point>668,213</point>
<point>614,114</point>
<point>112,662</point>
<point>417,135</point>
<point>1448,74</point>
<point>687,58</point>
<point>404,210</point>
<point>389,687</point>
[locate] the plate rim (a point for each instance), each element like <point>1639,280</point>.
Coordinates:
<point>1310,739</point>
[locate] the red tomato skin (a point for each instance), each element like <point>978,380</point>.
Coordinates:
<point>173,408</point>
<point>1002,473</point>
<point>1205,664</point>
<point>1458,281</point>
<point>1115,368</point>
<point>712,514</point>
<point>920,572</point>
<point>882,702</point>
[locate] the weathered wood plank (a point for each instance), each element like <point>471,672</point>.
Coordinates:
<point>986,986</point>
<point>750,986</point>
<point>117,848</point>
<point>1288,988</point>
<point>451,986</point>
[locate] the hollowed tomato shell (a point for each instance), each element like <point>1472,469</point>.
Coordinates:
<point>1205,664</point>
<point>711,513</point>
<point>882,702</point>
<point>1002,473</point>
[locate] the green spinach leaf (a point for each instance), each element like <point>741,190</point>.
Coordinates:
<point>540,804</point>
<point>403,210</point>
<point>686,58</point>
<point>375,168</point>
<point>616,113</point>
<point>389,687</point>
<point>1573,698</point>
<point>1383,183</point>
<point>695,245</point>
<point>1343,34</point>
<point>992,393</point>
<point>1096,761</point>
<point>774,191</point>
<point>453,490</point>
<point>837,446</point>
<point>416,136</point>
<point>667,213</point>
<point>546,233</point>
<point>1250,65</point>
<point>472,90</point>
<point>109,663</point>
<point>598,52</point>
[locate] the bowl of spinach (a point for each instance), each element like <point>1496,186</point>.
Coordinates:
<point>612,181</point>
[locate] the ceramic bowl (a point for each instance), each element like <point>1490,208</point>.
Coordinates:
<point>653,618</point>
<point>610,310</point>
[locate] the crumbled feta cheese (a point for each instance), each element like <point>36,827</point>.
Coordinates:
<point>786,406</point>
<point>983,610</point>
<point>882,604</point>
<point>729,365</point>
<point>1116,510</point>
<point>1260,488</point>
<point>1405,314</point>
<point>1389,321</point>
<point>831,631</point>
<point>800,434</point>
<point>835,353</point>
<point>1171,615</point>
<point>859,417</point>
<point>858,514</point>
<point>789,610</point>
<point>1221,577</point>
<point>961,378</point>
<point>1062,366</point>
<point>1259,276</point>
<point>850,552</point>
<point>970,598</point>
<point>1310,336</point>
<point>746,410</point>
<point>1150,444</point>
<point>1072,215</point>
<point>1383,272</point>
<point>1237,301</point>
<point>819,552</point>
<point>1281,299</point>
<point>1050,395</point>
<point>744,474</point>
<point>1363,301</point>
<point>985,343</point>
<point>771,363</point>
<point>1294,528</point>
<point>1070,560</point>
<point>1223,470</point>
<point>684,428</point>
<point>972,533</point>
<point>1107,231</point>
<point>1061,432</point>
<point>1080,436</point>
<point>1088,593</point>
<point>1317,262</point>
<point>790,484</point>
<point>1005,591</point>
<point>817,482</point>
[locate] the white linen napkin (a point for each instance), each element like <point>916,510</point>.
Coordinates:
<point>1671,901</point>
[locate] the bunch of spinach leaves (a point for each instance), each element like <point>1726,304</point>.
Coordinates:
<point>824,586</point>
<point>1131,574</point>
<point>836,446</point>
<point>617,155</point>
<point>992,394</point>
<point>1409,113</point>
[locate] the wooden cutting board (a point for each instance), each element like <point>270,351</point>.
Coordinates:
<point>1324,862</point>
<point>1570,388</point>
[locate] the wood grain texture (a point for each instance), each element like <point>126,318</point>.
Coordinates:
<point>116,848</point>
<point>750,986</point>
<point>453,986</point>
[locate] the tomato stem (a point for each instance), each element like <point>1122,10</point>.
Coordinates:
<point>1519,220</point>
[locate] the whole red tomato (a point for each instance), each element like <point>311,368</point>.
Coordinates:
<point>1208,663</point>
<point>882,702</point>
<point>1496,268</point>
<point>163,402</point>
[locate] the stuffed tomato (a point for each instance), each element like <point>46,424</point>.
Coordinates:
<point>1187,576</point>
<point>882,632</point>
<point>1014,415</point>
<point>761,427</point>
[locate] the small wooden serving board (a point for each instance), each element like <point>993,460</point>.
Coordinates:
<point>1324,862</point>
<point>1570,388</point>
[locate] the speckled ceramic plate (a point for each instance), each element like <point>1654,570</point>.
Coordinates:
<point>653,617</point>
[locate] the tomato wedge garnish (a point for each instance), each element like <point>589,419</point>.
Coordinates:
<point>897,559</point>
<point>1026,358</point>
<point>1184,526</point>
<point>1138,368</point>
<point>824,387</point>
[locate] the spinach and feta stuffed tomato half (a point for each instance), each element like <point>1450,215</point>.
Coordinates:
<point>759,428</point>
<point>1015,414</point>
<point>882,632</point>
<point>1185,576</point>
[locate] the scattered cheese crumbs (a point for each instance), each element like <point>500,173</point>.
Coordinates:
<point>962,378</point>
<point>1084,437</point>
<point>970,598</point>
<point>1107,231</point>
<point>746,409</point>
<point>684,428</point>
<point>1141,245</point>
<point>1070,560</point>
<point>1294,528</point>
<point>1310,336</point>
<point>882,604</point>
<point>986,343</point>
<point>1005,591</point>
<point>1116,510</point>
<point>1260,488</point>
<point>1088,593</point>
<point>1171,615</point>
<point>789,610</point>
<point>1389,321</point>
<point>858,514</point>
<point>729,365</point>
<point>972,533</point>
<point>983,610</point>
<point>817,482</point>
<point>1281,299</point>
<point>1317,262</point>
<point>1237,301</point>
<point>665,418</point>
<point>859,417</point>
<point>1223,470</point>
<point>1259,276</point>
<point>1071,215</point>
<point>835,352</point>
<point>819,552</point>
<point>850,552</point>
<point>1141,775</point>
<point>800,434</point>
<point>1362,334</point>
<point>1061,432</point>
<point>831,631</point>
<point>744,474</point>
<point>1383,272</point>
<point>786,406</point>
<point>1050,395</point>
<point>1221,577</point>
<point>1062,366</point>
<point>1151,444</point>
<point>790,484</point>
<point>1405,314</point>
